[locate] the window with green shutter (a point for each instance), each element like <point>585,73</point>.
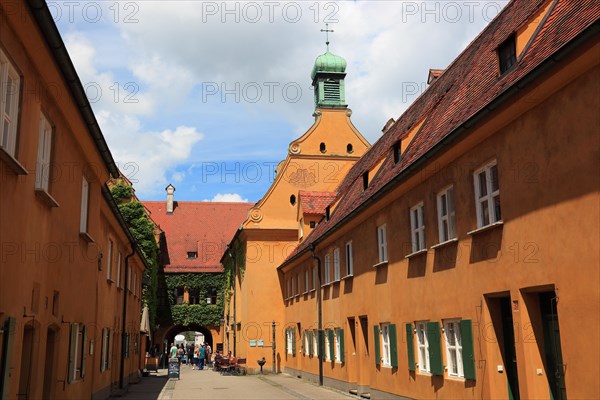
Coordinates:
<point>410,347</point>
<point>331,344</point>
<point>435,348</point>
<point>376,345</point>
<point>310,343</point>
<point>468,353</point>
<point>293,341</point>
<point>342,350</point>
<point>321,344</point>
<point>73,334</point>
<point>393,345</point>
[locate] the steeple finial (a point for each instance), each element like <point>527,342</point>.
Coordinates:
<point>327,30</point>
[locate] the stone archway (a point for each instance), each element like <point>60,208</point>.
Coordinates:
<point>174,330</point>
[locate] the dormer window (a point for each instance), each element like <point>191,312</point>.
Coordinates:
<point>313,224</point>
<point>366,180</point>
<point>507,54</point>
<point>396,151</point>
<point>327,212</point>
<point>192,255</point>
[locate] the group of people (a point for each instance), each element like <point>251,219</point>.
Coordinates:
<point>197,356</point>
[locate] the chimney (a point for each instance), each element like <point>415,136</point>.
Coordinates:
<point>170,194</point>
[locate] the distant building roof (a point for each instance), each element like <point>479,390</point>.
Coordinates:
<point>201,227</point>
<point>458,95</point>
<point>315,202</point>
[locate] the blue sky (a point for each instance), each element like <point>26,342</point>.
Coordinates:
<point>207,95</point>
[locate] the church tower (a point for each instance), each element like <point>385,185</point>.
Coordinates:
<point>328,76</point>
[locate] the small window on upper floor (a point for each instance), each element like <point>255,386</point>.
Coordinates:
<point>396,151</point>
<point>9,105</point>
<point>293,200</point>
<point>322,147</point>
<point>349,148</point>
<point>366,180</point>
<point>507,54</point>
<point>192,255</point>
<point>327,213</point>
<point>313,224</point>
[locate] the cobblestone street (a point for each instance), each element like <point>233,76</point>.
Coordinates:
<point>212,385</point>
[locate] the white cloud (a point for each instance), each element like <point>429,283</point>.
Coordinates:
<point>146,156</point>
<point>228,198</point>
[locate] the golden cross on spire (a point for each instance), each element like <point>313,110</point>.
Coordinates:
<point>327,30</point>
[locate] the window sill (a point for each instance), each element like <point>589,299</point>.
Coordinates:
<point>486,228</point>
<point>380,264</point>
<point>349,276</point>
<point>86,237</point>
<point>325,284</point>
<point>311,290</point>
<point>13,163</point>
<point>337,281</point>
<point>454,378</point>
<point>45,196</point>
<point>416,253</point>
<point>446,243</point>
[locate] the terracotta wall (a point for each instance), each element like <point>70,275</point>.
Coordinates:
<point>545,144</point>
<point>50,275</point>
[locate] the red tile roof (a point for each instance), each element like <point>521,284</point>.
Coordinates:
<point>205,227</point>
<point>465,88</point>
<point>315,202</point>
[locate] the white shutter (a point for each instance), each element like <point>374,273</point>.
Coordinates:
<point>73,352</point>
<point>83,350</point>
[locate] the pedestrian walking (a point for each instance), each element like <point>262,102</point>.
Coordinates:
<point>202,356</point>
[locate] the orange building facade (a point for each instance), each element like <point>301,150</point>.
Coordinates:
<point>459,256</point>
<point>70,273</point>
<point>315,165</point>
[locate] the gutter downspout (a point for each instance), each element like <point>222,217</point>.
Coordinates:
<point>124,322</point>
<point>319,312</point>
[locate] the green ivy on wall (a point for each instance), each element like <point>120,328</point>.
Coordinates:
<point>239,253</point>
<point>142,230</point>
<point>202,314</point>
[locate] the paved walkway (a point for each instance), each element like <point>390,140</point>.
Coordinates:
<point>212,385</point>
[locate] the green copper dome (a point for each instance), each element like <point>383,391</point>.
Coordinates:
<point>328,63</point>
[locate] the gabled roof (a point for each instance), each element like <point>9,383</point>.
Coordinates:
<point>465,92</point>
<point>205,227</point>
<point>315,202</point>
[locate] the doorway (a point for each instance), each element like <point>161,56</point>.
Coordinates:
<point>362,352</point>
<point>27,352</point>
<point>499,306</point>
<point>552,347</point>
<point>49,369</point>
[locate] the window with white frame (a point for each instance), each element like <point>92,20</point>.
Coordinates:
<point>306,280</point>
<point>289,334</point>
<point>417,228</point>
<point>135,283</point>
<point>423,346</point>
<point>385,345</point>
<point>9,104</point>
<point>77,340</point>
<point>105,354</point>
<point>109,257</point>
<point>338,345</point>
<point>298,288</point>
<point>293,287</point>
<point>453,348</point>
<point>382,243</point>
<point>129,284</point>
<point>336,264</point>
<point>349,260</point>
<point>487,195</point>
<point>307,344</point>
<point>288,290</point>
<point>446,214</point>
<point>316,342</point>
<point>119,270</point>
<point>85,194</point>
<point>327,270</point>
<point>42,171</point>
<point>314,285</point>
<point>326,347</point>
